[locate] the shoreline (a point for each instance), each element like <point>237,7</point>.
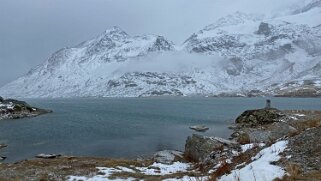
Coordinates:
<point>302,121</point>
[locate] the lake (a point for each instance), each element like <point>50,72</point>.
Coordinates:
<point>126,127</point>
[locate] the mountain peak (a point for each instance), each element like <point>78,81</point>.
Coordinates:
<point>115,31</point>
<point>233,19</point>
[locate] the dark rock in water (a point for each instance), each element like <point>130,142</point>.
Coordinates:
<point>199,128</point>
<point>47,156</point>
<point>1,99</point>
<point>3,146</point>
<point>253,118</point>
<point>264,29</point>
<point>2,157</point>
<point>200,148</point>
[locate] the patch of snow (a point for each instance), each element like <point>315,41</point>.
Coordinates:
<point>261,168</point>
<point>292,117</point>
<point>187,178</point>
<point>250,146</point>
<point>154,169</point>
<point>5,106</point>
<point>164,169</point>
<point>107,173</point>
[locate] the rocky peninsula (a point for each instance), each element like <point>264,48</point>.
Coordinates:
<point>14,109</point>
<point>267,144</point>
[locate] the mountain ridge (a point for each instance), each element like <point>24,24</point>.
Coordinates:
<point>238,55</point>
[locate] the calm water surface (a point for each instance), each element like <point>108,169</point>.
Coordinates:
<point>125,127</point>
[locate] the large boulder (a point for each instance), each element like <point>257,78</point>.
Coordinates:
<point>257,117</point>
<point>200,148</point>
<point>1,99</point>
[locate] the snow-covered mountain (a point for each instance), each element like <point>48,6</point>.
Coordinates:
<point>85,69</point>
<point>240,54</point>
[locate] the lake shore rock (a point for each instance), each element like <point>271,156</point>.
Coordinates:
<point>15,109</point>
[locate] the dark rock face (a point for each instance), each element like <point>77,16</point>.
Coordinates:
<point>253,118</point>
<point>199,148</point>
<point>264,29</point>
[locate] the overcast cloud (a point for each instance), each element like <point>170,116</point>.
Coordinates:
<point>31,30</point>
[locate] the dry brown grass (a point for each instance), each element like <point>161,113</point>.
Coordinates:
<point>310,176</point>
<point>58,169</point>
<point>310,123</point>
<point>244,139</point>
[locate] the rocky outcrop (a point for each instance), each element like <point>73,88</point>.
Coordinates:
<point>263,125</point>
<point>15,109</point>
<point>264,134</point>
<point>257,117</point>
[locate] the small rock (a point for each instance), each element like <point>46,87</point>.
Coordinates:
<point>225,141</point>
<point>199,128</point>
<point>3,146</point>
<point>167,156</point>
<point>47,156</point>
<point>2,158</point>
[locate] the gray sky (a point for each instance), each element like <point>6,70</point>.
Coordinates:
<point>31,30</point>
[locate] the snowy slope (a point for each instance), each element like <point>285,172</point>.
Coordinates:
<point>240,54</point>
<point>83,70</point>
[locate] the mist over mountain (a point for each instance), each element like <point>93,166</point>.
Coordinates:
<point>241,54</point>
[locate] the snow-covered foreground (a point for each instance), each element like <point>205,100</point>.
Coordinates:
<point>260,169</point>
<point>154,169</point>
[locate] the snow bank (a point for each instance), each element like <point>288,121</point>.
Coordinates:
<point>261,168</point>
<point>250,146</point>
